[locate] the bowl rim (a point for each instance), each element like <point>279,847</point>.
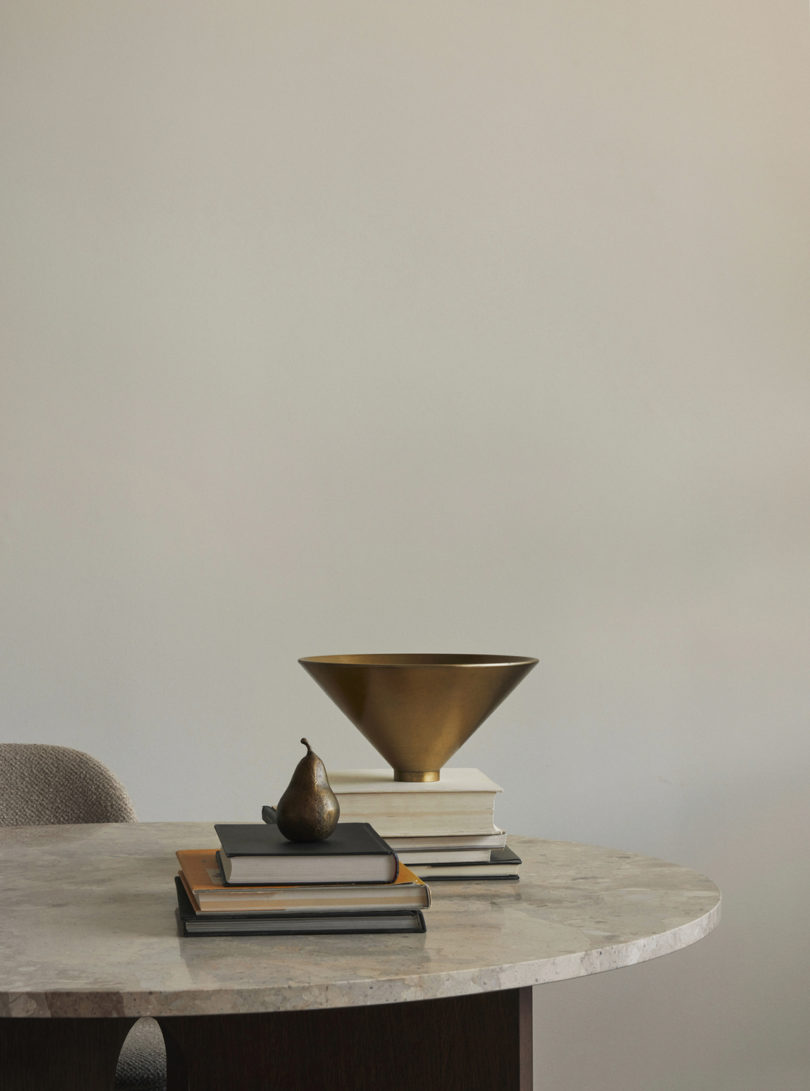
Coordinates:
<point>405,660</point>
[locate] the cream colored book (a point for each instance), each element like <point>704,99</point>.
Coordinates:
<point>462,801</point>
<point>445,842</point>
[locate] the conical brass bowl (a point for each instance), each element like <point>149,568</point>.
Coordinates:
<point>417,710</point>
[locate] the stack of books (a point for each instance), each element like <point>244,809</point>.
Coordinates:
<point>258,883</point>
<point>442,830</point>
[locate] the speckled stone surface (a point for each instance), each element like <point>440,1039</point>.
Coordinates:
<point>89,929</point>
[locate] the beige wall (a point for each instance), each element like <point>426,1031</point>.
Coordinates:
<point>459,326</point>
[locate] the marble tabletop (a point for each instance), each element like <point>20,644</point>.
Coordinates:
<point>89,929</point>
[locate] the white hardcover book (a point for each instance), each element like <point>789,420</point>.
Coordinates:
<point>449,842</point>
<point>416,857</point>
<point>462,801</point>
<point>381,781</point>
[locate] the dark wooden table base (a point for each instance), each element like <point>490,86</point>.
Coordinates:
<point>481,1042</point>
<point>467,1043</point>
<point>60,1054</point>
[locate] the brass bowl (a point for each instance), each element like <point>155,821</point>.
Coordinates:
<point>417,710</point>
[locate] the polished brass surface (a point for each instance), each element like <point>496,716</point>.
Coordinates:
<point>417,710</point>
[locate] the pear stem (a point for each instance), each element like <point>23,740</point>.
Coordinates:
<point>306,744</point>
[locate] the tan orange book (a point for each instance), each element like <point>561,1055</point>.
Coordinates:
<point>208,892</point>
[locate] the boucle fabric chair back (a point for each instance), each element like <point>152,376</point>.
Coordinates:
<point>44,785</point>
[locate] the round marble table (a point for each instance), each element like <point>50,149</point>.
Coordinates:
<point>90,942</point>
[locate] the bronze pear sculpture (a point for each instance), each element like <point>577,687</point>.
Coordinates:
<point>309,809</point>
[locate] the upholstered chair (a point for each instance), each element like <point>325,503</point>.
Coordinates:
<point>41,785</point>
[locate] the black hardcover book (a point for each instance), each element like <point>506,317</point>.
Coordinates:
<point>256,852</point>
<point>290,924</point>
<point>503,864</point>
